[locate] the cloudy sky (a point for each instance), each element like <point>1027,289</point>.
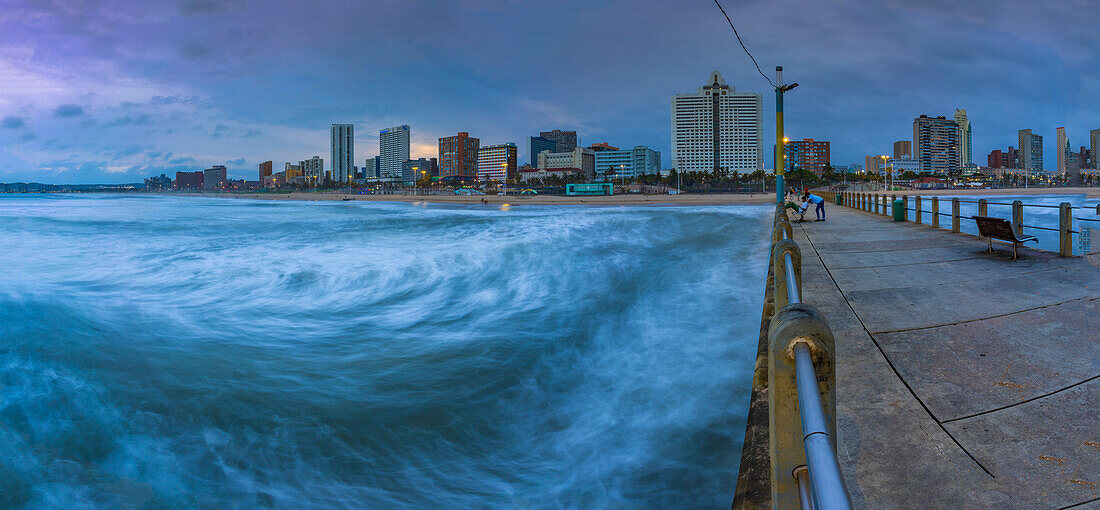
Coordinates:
<point>116,91</point>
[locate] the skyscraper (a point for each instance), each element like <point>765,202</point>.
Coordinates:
<point>966,157</point>
<point>458,155</point>
<point>903,149</point>
<point>393,149</point>
<point>1030,150</point>
<point>313,169</point>
<point>537,144</point>
<point>936,145</point>
<point>496,162</point>
<point>343,152</point>
<point>214,177</point>
<point>566,140</point>
<point>1063,150</point>
<point>717,128</point>
<point>1094,145</point>
<point>265,170</point>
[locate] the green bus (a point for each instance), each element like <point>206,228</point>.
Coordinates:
<point>592,188</point>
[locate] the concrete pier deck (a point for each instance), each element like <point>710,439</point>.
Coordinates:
<point>964,379</point>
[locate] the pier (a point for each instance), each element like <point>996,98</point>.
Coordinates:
<point>964,379</point>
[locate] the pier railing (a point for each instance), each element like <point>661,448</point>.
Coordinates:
<point>800,396</point>
<point>882,204</point>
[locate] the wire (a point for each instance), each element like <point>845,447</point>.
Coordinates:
<point>743,44</point>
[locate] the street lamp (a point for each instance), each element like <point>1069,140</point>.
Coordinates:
<point>885,172</point>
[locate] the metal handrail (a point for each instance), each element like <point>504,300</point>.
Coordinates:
<point>820,483</point>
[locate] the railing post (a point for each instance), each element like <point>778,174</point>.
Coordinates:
<point>794,327</point>
<point>1018,217</point>
<point>936,212</point>
<point>983,207</point>
<point>955,215</point>
<point>916,209</point>
<point>1065,227</point>
<point>875,207</point>
<point>905,207</point>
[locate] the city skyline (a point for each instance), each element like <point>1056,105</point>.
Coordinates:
<point>96,93</point>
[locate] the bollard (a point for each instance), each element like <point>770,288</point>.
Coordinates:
<point>1065,229</point>
<point>1018,217</point>
<point>936,212</point>
<point>955,215</point>
<point>795,324</point>
<point>916,211</point>
<point>905,207</point>
<point>875,208</point>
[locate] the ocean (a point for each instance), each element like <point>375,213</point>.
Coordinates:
<point>170,352</point>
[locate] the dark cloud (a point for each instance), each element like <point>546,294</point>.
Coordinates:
<point>236,162</point>
<point>12,122</point>
<point>68,110</point>
<point>196,51</point>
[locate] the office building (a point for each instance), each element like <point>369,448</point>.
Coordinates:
<point>717,128</point>
<point>899,166</point>
<point>1030,150</point>
<point>265,170</point>
<point>393,149</point>
<point>537,144</point>
<point>566,141</point>
<point>1064,153</point>
<point>158,183</point>
<point>458,155</point>
<point>602,146</point>
<point>903,148</point>
<point>966,158</point>
<point>292,171</point>
<point>611,162</point>
<point>343,152</point>
<point>496,162</point>
<point>1094,146</point>
<point>807,154</point>
<point>214,177</point>
<point>313,170</point>
<point>580,158</point>
<point>936,145</point>
<point>415,169</point>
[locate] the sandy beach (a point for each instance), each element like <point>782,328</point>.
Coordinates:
<point>614,200</point>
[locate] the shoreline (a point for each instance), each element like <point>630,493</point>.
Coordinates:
<point>513,200</point>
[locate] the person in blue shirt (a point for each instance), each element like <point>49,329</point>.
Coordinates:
<point>814,199</point>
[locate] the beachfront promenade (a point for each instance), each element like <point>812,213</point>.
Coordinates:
<point>964,379</point>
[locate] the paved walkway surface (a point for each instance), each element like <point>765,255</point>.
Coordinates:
<point>965,379</point>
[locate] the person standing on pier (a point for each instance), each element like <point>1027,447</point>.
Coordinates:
<point>814,199</point>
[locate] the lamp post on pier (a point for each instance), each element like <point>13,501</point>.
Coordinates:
<point>780,145</point>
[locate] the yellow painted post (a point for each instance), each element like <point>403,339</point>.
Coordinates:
<point>1018,217</point>
<point>1065,229</point>
<point>955,215</point>
<point>917,211</point>
<point>936,212</point>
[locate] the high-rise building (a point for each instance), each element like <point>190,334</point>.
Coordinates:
<point>1031,150</point>
<point>602,146</point>
<point>313,169</point>
<point>189,180</point>
<point>393,149</point>
<point>875,165</point>
<point>566,140</point>
<point>415,169</point>
<point>966,157</point>
<point>717,128</point>
<point>291,171</point>
<point>214,177</point>
<point>1064,152</point>
<point>903,149</point>
<point>626,163</point>
<point>1094,146</point>
<point>496,162</point>
<point>537,144</point>
<point>1002,159</point>
<point>936,145</point>
<point>343,152</point>
<point>807,154</point>
<point>265,170</point>
<point>458,155</point>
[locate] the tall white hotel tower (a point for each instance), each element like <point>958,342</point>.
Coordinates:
<point>717,128</point>
<point>393,147</point>
<point>343,152</point>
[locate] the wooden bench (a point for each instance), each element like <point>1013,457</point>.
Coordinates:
<point>1001,230</point>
